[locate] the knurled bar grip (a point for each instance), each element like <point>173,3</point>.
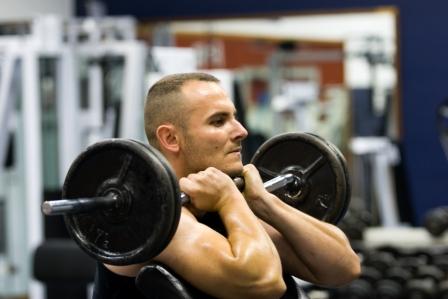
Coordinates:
<point>82,205</point>
<point>271,185</point>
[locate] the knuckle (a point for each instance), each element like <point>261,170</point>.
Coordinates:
<point>251,167</point>
<point>191,176</point>
<point>212,170</point>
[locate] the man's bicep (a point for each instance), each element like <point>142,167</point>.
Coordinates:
<point>210,262</point>
<point>197,254</point>
<point>291,263</point>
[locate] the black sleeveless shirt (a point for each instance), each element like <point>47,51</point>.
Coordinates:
<point>108,285</point>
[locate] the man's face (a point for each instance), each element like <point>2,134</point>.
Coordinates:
<point>213,135</point>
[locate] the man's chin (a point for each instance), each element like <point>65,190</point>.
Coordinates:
<point>235,172</point>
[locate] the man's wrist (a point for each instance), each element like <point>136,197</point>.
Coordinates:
<point>265,206</point>
<point>228,200</point>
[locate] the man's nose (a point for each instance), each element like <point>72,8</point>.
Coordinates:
<point>240,131</point>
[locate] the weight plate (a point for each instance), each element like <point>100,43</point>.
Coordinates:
<point>322,189</point>
<point>170,230</point>
<point>346,176</point>
<point>142,223</point>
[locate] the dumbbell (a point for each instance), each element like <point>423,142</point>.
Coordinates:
<point>436,221</point>
<point>412,263</point>
<point>362,287</point>
<point>443,289</point>
<point>380,260</point>
<point>392,285</point>
<point>424,284</point>
<point>354,223</point>
<point>122,202</point>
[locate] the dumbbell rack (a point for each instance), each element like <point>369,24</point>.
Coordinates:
<point>397,263</point>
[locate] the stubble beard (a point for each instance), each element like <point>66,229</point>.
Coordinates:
<point>200,160</point>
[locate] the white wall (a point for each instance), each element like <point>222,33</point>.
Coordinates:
<point>22,10</point>
<point>322,27</point>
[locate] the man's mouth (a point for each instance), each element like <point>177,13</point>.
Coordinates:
<point>236,150</point>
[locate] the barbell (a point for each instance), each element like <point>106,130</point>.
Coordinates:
<point>122,201</point>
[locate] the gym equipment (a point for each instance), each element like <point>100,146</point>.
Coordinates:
<point>399,272</point>
<point>380,260</point>
<point>64,269</point>
<point>443,289</point>
<point>421,288</point>
<point>425,282</point>
<point>122,201</point>
<point>362,287</point>
<point>442,125</point>
<point>355,222</point>
<point>436,221</point>
<point>392,285</point>
<point>157,280</point>
<point>321,188</point>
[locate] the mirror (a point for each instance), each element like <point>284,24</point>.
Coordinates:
<point>333,74</point>
<point>302,72</point>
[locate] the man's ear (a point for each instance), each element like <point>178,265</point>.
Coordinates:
<point>167,135</point>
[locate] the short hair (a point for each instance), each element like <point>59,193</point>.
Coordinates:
<point>164,102</point>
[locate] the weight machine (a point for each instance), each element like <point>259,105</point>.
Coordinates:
<point>79,122</point>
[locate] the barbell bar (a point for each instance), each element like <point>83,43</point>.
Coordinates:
<point>85,205</point>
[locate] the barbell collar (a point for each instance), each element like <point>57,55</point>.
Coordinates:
<point>280,181</point>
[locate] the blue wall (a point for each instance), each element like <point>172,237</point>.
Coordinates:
<point>423,38</point>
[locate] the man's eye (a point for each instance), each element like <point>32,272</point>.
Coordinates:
<point>217,122</point>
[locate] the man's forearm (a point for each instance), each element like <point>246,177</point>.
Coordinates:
<point>320,246</point>
<point>251,246</point>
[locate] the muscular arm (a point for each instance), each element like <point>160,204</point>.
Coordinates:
<point>310,249</point>
<point>246,264</point>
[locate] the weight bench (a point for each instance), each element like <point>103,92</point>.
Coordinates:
<point>156,281</point>
<point>64,268</point>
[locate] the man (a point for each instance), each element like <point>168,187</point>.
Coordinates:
<point>191,120</point>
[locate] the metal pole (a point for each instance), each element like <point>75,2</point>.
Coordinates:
<point>6,102</point>
<point>33,154</point>
<point>68,111</point>
<point>133,91</point>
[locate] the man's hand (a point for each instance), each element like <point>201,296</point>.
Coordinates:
<point>209,189</point>
<point>255,192</point>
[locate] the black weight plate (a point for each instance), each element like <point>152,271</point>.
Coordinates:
<point>177,209</point>
<point>345,168</point>
<point>137,230</point>
<point>324,193</point>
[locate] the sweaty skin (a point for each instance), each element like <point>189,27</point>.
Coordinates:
<point>245,264</point>
<point>265,235</point>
